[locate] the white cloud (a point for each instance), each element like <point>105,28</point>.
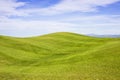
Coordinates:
<point>66,6</point>
<point>96,19</point>
<point>29,28</point>
<point>102,24</point>
<point>7,23</point>
<point>9,7</point>
<point>108,24</point>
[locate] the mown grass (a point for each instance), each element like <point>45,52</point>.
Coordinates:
<point>59,56</point>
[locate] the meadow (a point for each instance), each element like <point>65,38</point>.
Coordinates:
<point>59,56</point>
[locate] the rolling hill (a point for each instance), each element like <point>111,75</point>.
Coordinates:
<point>59,56</point>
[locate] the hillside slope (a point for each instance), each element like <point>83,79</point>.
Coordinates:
<point>59,56</point>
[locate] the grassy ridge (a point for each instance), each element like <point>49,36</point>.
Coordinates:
<point>59,56</point>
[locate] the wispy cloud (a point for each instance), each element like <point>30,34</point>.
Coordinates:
<point>66,6</point>
<point>85,24</point>
<point>25,25</point>
<point>10,7</point>
<point>32,27</point>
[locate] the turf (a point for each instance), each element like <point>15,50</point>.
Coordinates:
<point>59,56</point>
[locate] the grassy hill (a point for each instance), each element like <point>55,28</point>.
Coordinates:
<point>59,56</point>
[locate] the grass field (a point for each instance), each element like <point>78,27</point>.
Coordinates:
<point>59,56</point>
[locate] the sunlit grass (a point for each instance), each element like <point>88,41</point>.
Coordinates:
<point>59,56</point>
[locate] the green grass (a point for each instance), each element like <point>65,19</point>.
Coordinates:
<point>59,56</point>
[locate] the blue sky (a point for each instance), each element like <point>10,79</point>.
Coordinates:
<point>37,17</point>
